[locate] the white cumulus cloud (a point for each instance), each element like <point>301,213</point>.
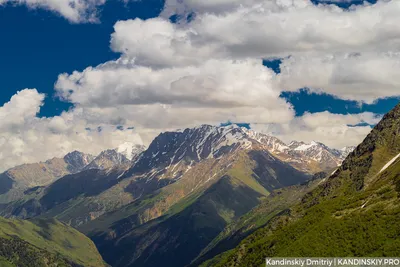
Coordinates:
<point>213,92</point>
<point>26,138</point>
<point>352,54</point>
<point>75,11</point>
<point>263,29</point>
<point>355,76</point>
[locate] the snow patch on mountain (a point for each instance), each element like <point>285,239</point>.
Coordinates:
<point>390,163</point>
<point>273,143</point>
<point>305,147</point>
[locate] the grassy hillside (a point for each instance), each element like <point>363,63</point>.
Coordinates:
<point>45,243</point>
<point>354,213</point>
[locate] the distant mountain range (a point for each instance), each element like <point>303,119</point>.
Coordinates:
<point>311,158</point>
<point>16,180</point>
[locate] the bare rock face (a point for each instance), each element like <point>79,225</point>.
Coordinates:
<point>77,161</point>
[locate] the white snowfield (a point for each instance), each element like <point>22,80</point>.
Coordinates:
<point>305,147</point>
<point>390,163</point>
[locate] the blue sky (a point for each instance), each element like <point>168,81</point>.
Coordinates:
<point>37,45</point>
<point>131,69</point>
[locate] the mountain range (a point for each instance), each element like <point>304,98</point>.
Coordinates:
<point>168,152</point>
<point>15,181</point>
<point>196,193</point>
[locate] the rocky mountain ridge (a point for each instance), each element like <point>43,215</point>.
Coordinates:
<point>310,157</point>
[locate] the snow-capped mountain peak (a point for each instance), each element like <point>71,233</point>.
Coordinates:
<point>302,154</point>
<point>296,144</point>
<point>348,149</point>
<point>305,147</point>
<point>193,145</point>
<point>273,143</point>
<point>130,150</point>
